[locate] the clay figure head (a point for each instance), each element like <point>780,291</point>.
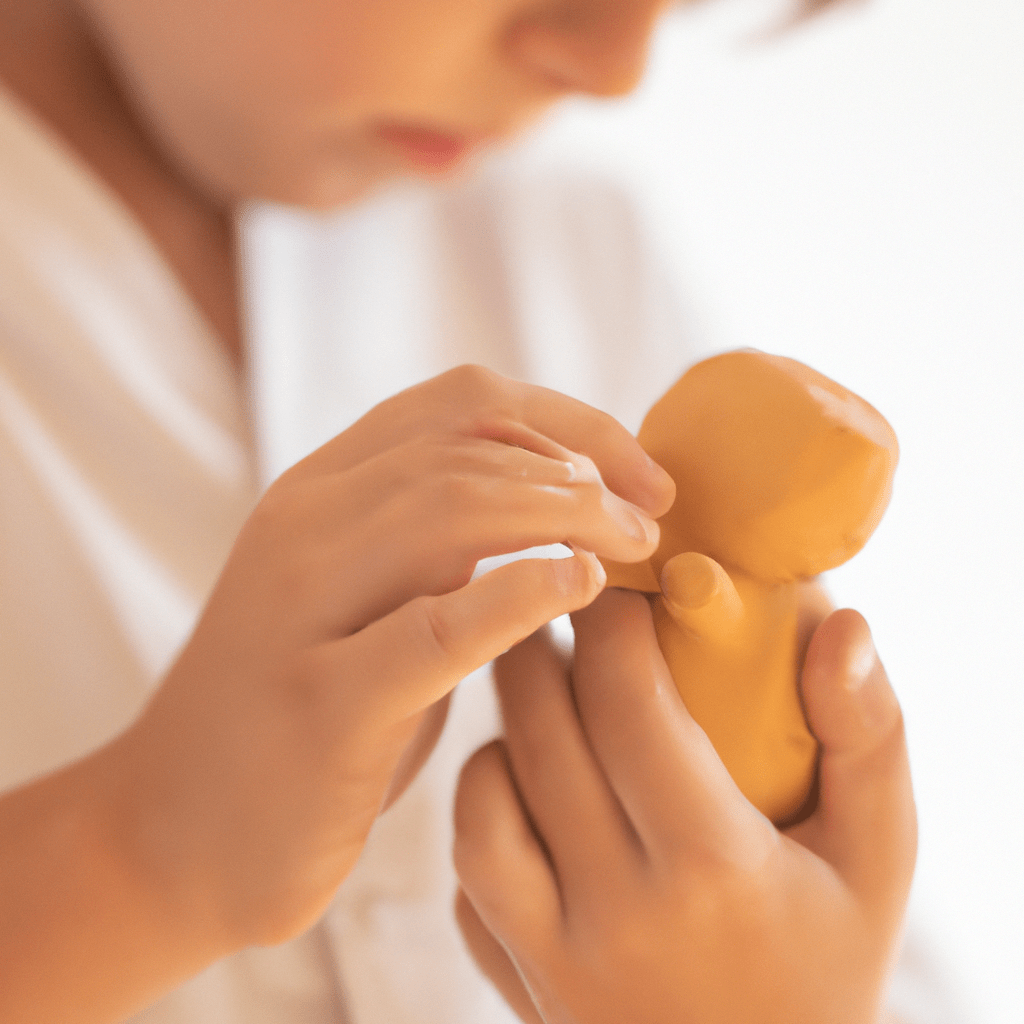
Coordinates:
<point>780,472</point>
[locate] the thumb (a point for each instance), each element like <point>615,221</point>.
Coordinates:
<point>865,824</point>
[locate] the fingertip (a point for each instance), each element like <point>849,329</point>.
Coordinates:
<point>656,493</point>
<point>860,659</point>
<point>846,690</point>
<point>865,822</point>
<point>661,489</point>
<point>842,647</point>
<point>471,785</point>
<point>480,812</point>
<point>645,483</point>
<point>496,853</point>
<point>580,577</point>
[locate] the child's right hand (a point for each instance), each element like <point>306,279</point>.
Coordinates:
<point>345,616</point>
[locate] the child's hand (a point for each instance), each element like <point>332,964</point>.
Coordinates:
<point>319,671</point>
<point>612,871</point>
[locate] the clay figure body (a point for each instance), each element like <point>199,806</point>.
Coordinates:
<point>781,474</point>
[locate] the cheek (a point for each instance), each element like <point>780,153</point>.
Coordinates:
<point>258,98</point>
<point>419,749</point>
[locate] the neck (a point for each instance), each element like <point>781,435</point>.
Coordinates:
<point>50,61</point>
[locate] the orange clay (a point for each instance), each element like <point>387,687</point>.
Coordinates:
<point>781,474</point>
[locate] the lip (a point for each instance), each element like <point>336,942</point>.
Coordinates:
<point>429,148</point>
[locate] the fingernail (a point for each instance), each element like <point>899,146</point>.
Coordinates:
<point>637,523</point>
<point>874,700</point>
<point>597,570</point>
<point>860,661</point>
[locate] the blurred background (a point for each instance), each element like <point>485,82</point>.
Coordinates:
<point>850,192</point>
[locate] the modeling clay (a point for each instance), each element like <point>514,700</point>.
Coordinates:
<point>781,474</point>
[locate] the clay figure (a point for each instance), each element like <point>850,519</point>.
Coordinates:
<point>781,474</point>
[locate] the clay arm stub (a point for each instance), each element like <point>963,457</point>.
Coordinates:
<point>700,596</point>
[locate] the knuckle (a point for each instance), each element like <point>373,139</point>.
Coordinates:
<point>474,382</point>
<point>436,627</point>
<point>484,403</point>
<point>586,470</point>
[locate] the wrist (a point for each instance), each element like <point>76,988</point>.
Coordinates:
<point>87,931</point>
<point>140,820</point>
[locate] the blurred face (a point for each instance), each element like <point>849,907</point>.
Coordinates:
<point>315,102</point>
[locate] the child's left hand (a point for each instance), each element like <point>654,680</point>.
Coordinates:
<point>612,871</point>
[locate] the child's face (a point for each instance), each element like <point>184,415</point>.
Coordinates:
<point>317,101</point>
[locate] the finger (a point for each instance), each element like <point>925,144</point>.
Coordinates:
<point>493,961</point>
<point>408,660</point>
<point>502,867</point>
<point>475,401</point>
<point>559,782</point>
<point>570,477</point>
<point>661,765</point>
<point>474,498</point>
<point>865,822</point>
<point>436,507</point>
<point>624,466</point>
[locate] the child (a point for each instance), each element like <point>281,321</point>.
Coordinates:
<point>167,808</point>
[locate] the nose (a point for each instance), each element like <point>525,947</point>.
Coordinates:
<point>598,47</point>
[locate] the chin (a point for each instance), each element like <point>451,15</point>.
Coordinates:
<point>314,189</point>
<point>331,196</point>
<point>326,186</point>
<point>330,190</point>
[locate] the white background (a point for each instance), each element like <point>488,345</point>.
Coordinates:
<point>851,193</point>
